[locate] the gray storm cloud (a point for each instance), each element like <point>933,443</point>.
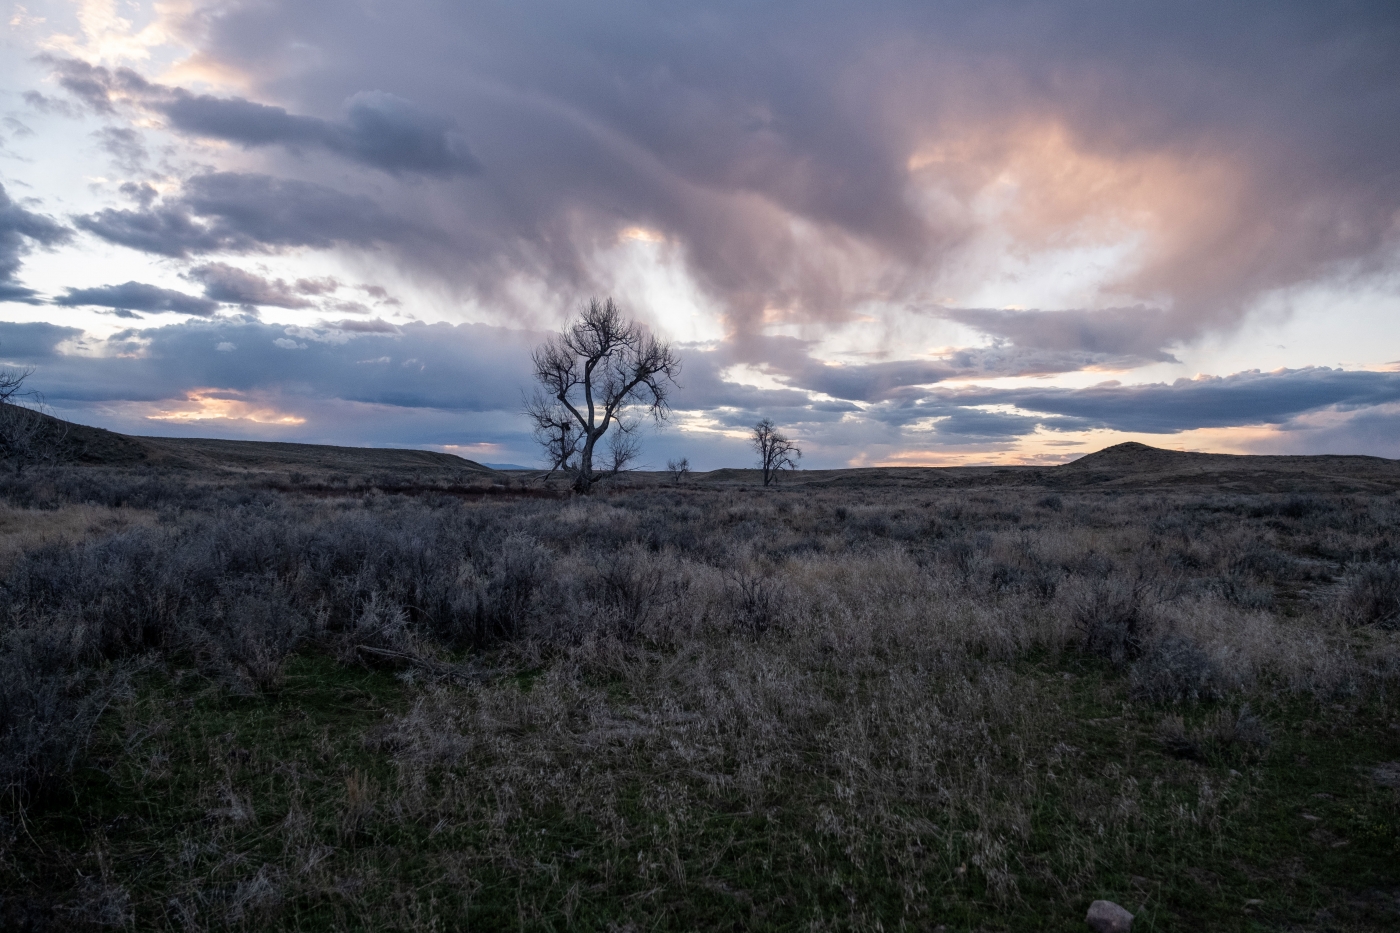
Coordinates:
<point>20,231</point>
<point>229,212</point>
<point>1121,336</point>
<point>138,296</point>
<point>378,129</point>
<point>773,144</point>
<point>466,368</point>
<point>223,282</point>
<point>1265,134</point>
<point>1239,400</point>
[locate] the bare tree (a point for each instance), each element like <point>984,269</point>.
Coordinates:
<point>679,469</point>
<point>775,451</point>
<point>595,375</point>
<point>27,435</point>
<point>12,383</point>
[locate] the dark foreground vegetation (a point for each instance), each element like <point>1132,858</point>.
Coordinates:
<point>229,706</point>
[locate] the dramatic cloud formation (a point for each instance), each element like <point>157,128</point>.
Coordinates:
<point>810,162</point>
<point>895,226</point>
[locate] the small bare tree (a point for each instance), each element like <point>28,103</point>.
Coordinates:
<point>27,435</point>
<point>594,375</point>
<point>12,383</point>
<point>775,451</point>
<point>679,469</point>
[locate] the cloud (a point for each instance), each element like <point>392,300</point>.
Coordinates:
<point>1241,399</point>
<point>34,341</point>
<point>19,231</point>
<point>223,282</point>
<point>125,146</point>
<point>17,126</point>
<point>469,367</point>
<point>373,326</point>
<point>1124,336</point>
<point>247,213</point>
<point>138,296</point>
<point>379,129</point>
<point>816,167</point>
<point>789,360</point>
<point>44,104</point>
<point>479,372</point>
<point>812,166</point>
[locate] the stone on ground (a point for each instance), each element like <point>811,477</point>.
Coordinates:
<point>1108,917</point>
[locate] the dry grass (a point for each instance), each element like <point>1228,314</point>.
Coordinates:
<point>690,708</point>
<point>26,529</point>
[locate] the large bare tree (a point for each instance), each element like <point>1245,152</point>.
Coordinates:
<point>601,372</point>
<point>775,452</point>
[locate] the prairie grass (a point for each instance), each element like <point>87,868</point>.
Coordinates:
<point>27,529</point>
<point>684,708</point>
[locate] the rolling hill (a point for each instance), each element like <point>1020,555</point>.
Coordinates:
<point>99,447</point>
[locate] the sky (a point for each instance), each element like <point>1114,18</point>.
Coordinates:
<point>911,233</point>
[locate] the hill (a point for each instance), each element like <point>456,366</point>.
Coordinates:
<point>1123,466</point>
<point>1134,465</point>
<point>97,446</point>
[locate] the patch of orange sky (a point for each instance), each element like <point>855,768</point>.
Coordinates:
<point>220,405</point>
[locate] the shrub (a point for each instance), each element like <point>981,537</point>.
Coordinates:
<point>49,702</point>
<point>1373,597</point>
<point>1173,669</point>
<point>1111,614</point>
<point>1243,590</point>
<point>1230,736</point>
<point>757,603</point>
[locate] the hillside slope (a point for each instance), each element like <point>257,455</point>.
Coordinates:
<point>99,447</point>
<point>1134,465</point>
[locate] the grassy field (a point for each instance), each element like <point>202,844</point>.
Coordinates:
<point>833,706</point>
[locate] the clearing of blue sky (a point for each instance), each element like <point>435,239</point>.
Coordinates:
<point>908,233</point>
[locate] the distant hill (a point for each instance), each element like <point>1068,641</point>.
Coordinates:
<point>1137,465</point>
<point>97,446</point>
<point>1122,466</point>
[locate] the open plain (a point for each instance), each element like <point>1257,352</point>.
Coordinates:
<point>284,687</point>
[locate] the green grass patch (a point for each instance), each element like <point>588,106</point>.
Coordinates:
<point>203,809</point>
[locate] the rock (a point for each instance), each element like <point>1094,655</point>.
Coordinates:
<point>1108,917</point>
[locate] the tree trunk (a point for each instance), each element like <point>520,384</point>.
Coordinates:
<point>584,480</point>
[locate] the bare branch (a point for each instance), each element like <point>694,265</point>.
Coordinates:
<point>594,375</point>
<point>27,434</point>
<point>12,383</point>
<point>555,429</point>
<point>775,451</point>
